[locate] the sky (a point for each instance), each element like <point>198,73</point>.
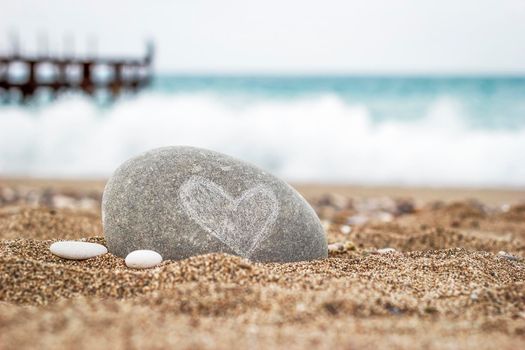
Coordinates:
<point>283,36</point>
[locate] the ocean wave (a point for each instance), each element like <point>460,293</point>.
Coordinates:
<point>320,139</point>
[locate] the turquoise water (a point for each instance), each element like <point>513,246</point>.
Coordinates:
<point>466,131</point>
<point>489,102</point>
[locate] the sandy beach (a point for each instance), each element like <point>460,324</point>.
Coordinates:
<point>455,278</point>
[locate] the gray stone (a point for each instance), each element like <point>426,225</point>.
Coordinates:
<point>185,201</point>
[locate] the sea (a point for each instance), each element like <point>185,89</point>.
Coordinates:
<point>365,130</point>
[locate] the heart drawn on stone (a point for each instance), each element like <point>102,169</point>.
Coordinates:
<point>241,223</point>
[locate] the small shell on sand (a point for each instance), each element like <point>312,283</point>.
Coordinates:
<point>143,259</point>
<point>75,250</point>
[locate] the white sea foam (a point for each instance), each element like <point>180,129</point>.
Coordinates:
<point>314,139</point>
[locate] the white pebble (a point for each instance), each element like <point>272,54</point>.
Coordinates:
<point>345,229</point>
<point>336,247</point>
<point>75,250</point>
<point>357,220</point>
<point>386,250</point>
<point>506,255</point>
<point>385,216</point>
<point>143,259</point>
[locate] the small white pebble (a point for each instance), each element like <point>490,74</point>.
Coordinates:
<point>143,259</point>
<point>336,247</point>
<point>386,250</point>
<point>507,256</point>
<point>75,250</point>
<point>341,247</point>
<point>385,216</point>
<point>357,220</point>
<point>345,229</point>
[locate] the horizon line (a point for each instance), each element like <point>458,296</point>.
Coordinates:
<point>342,74</point>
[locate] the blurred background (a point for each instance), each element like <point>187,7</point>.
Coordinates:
<point>412,93</point>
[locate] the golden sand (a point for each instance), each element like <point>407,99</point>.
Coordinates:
<point>447,286</point>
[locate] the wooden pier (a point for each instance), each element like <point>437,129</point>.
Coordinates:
<point>23,76</point>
